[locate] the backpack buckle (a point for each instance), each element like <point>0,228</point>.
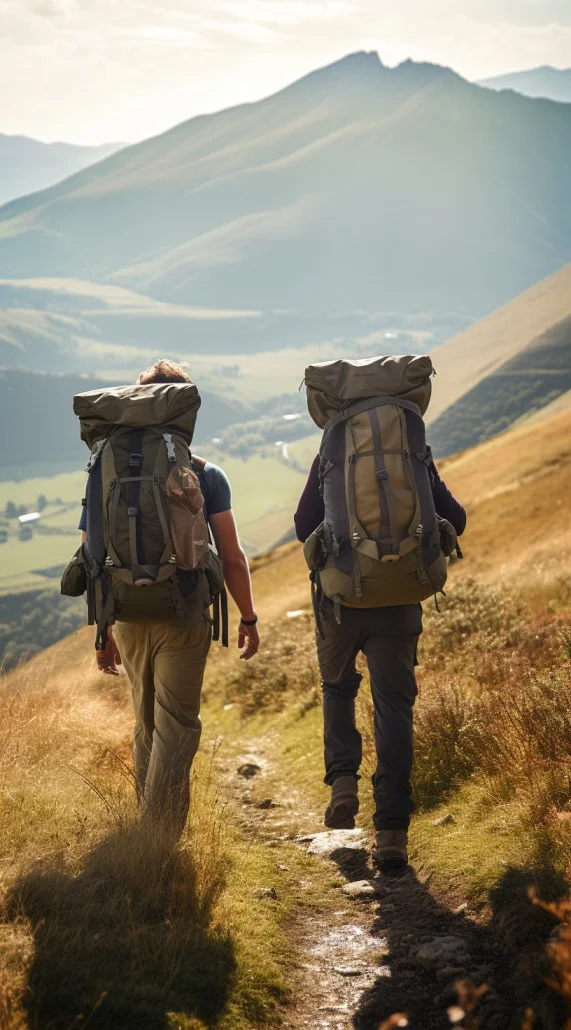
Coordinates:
<point>132,513</point>
<point>135,460</point>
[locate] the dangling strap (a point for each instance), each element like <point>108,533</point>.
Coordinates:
<point>105,616</point>
<point>223,597</point>
<point>216,617</point>
<point>315,592</point>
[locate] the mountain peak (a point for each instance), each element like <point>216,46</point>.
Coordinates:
<point>361,66</point>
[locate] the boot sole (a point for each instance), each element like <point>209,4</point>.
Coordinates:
<point>342,816</point>
<point>392,865</point>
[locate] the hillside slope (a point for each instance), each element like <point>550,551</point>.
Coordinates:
<point>358,187</point>
<point>232,928</point>
<point>489,345</point>
<point>28,165</point>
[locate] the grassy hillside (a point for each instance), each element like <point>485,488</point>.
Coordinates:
<point>534,379</point>
<point>481,350</point>
<point>426,182</point>
<point>206,946</point>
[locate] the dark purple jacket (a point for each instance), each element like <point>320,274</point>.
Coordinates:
<point>311,512</point>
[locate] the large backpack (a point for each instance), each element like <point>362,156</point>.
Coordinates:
<point>139,439</point>
<point>381,542</point>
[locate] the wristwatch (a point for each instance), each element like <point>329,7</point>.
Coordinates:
<point>249,622</point>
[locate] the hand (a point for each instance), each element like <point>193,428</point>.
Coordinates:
<point>109,659</point>
<point>248,641</point>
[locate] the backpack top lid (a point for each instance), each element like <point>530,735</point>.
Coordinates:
<point>137,406</point>
<point>332,385</point>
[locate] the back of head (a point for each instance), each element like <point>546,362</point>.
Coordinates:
<point>164,394</point>
<point>164,371</point>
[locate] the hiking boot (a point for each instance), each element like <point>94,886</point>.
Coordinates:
<point>344,804</point>
<point>390,851</point>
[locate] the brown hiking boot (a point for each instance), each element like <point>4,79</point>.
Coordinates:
<point>390,853</point>
<point>344,804</point>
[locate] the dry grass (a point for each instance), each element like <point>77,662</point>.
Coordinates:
<point>102,923</point>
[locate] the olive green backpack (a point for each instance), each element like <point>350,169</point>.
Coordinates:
<point>139,438</point>
<point>381,542</point>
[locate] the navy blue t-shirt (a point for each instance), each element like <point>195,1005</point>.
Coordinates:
<point>215,487</point>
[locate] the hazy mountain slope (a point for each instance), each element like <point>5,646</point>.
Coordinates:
<point>548,82</point>
<point>42,427</point>
<point>28,165</point>
<point>482,349</point>
<point>68,325</point>
<point>359,187</point>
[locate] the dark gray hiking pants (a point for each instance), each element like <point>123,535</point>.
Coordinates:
<point>388,638</point>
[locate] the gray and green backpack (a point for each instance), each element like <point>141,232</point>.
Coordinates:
<point>139,436</point>
<point>381,542</point>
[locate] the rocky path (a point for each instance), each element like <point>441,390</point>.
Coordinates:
<point>372,946</point>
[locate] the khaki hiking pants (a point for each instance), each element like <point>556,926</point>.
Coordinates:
<point>388,638</point>
<point>165,664</point>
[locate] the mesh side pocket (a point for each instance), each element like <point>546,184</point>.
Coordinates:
<point>187,522</point>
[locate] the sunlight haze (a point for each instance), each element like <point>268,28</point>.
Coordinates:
<point>91,71</point>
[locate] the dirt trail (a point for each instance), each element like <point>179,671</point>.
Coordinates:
<point>370,946</point>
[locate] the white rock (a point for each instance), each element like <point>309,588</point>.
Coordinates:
<point>325,844</point>
<point>363,889</point>
<point>442,951</point>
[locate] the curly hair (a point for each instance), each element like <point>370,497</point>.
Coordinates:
<point>164,371</point>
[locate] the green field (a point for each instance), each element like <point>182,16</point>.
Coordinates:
<point>264,489</point>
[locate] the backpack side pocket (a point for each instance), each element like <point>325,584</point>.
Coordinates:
<point>314,550</point>
<point>74,578</point>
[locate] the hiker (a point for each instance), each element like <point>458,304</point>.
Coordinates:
<point>377,522</point>
<point>155,617</point>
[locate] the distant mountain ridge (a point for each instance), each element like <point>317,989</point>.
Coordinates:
<point>358,187</point>
<point>28,165</point>
<point>546,81</point>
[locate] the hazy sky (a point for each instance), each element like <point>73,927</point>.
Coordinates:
<point>95,70</point>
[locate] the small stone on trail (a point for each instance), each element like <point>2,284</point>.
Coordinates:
<point>228,708</point>
<point>248,769</point>
<point>267,892</point>
<point>363,889</point>
<point>266,803</point>
<point>442,951</point>
<point>450,973</point>
<point>296,613</point>
<point>348,970</point>
<point>445,820</point>
<point>323,845</point>
<point>282,868</point>
<point>461,909</point>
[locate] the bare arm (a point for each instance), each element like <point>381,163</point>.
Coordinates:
<point>237,576</point>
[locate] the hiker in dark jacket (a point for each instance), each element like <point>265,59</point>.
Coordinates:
<point>388,637</point>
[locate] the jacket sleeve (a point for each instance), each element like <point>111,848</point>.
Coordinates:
<point>445,503</point>
<point>310,510</point>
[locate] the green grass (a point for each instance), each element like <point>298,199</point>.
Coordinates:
<point>265,493</point>
<point>304,451</point>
